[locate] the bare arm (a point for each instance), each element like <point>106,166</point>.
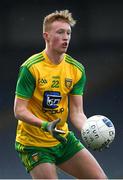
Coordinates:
<point>22,113</point>
<point>77,115</point>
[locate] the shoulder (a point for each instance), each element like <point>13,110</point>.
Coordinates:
<point>34,59</point>
<point>74,62</point>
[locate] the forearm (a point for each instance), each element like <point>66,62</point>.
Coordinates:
<point>78,120</point>
<point>26,116</point>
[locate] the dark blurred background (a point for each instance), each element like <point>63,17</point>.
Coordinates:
<point>97,42</point>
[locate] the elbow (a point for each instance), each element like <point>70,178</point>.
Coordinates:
<point>18,113</point>
<point>20,108</point>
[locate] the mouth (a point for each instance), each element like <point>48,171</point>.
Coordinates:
<point>65,45</point>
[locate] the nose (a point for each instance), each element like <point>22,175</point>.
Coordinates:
<point>66,36</point>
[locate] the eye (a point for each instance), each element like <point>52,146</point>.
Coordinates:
<point>60,32</point>
<point>69,32</point>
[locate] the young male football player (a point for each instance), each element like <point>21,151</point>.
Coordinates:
<point>45,82</point>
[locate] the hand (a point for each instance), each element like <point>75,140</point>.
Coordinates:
<point>51,128</point>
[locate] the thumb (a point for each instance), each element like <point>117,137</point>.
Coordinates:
<point>54,123</point>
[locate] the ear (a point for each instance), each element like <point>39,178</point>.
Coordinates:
<point>46,36</point>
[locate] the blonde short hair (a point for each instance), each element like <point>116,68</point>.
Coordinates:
<point>63,15</point>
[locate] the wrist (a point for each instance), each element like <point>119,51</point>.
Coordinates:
<point>44,125</point>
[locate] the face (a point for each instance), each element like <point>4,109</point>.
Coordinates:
<point>58,37</point>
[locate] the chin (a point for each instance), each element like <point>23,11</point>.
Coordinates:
<point>64,50</point>
<point>61,51</point>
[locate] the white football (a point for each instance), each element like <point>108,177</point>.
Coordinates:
<point>98,132</point>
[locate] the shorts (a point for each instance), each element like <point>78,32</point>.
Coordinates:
<point>32,156</point>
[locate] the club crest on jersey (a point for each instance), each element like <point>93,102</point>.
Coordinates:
<point>68,83</point>
<point>35,157</point>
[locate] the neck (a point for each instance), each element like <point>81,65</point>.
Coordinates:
<point>54,57</point>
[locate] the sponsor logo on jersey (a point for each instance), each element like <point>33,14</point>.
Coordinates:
<point>51,101</point>
<point>53,111</point>
<point>68,82</point>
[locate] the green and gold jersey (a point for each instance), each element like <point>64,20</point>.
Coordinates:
<point>47,87</point>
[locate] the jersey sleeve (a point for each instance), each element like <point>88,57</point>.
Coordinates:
<point>78,88</point>
<point>25,83</point>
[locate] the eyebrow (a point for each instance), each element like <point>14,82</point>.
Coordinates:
<point>64,29</point>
